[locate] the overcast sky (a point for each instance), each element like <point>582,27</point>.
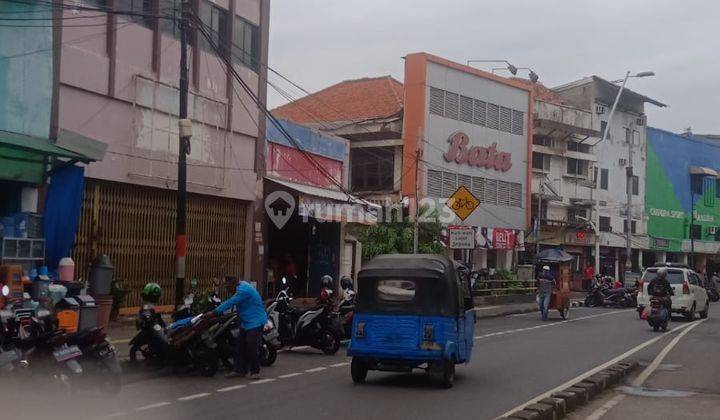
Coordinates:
<point>316,43</point>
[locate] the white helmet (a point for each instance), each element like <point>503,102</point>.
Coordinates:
<point>546,268</point>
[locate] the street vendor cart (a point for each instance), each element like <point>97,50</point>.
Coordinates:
<point>559,262</point>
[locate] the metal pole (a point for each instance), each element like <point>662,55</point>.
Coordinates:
<point>539,221</point>
<point>416,229</point>
<point>629,172</point>
<point>692,223</point>
<point>184,146</point>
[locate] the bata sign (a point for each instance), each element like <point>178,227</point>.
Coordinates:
<point>480,157</point>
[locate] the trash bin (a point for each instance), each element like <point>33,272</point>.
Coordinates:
<point>104,307</point>
<point>67,312</point>
<point>88,312</point>
<point>101,273</point>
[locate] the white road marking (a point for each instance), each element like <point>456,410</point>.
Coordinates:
<point>339,364</point>
<point>640,380</point>
<point>591,371</point>
<point>231,388</point>
<point>477,337</point>
<point>151,406</point>
<point>262,381</point>
<point>485,308</point>
<point>194,396</point>
<point>317,369</point>
<point>290,375</point>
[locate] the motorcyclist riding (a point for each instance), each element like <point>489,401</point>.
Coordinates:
<point>660,288</point>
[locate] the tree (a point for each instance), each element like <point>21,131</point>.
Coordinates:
<point>396,236</point>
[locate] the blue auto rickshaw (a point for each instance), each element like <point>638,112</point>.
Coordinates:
<point>412,311</point>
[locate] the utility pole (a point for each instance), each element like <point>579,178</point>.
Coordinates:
<point>185,132</point>
<point>628,218</point>
<point>416,228</point>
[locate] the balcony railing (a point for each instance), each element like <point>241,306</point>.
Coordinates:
<point>567,118</point>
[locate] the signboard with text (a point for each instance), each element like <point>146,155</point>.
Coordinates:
<point>461,237</point>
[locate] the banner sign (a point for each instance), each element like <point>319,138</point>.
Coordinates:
<point>500,238</point>
<point>461,237</point>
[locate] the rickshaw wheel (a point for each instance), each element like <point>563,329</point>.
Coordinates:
<point>565,312</point>
<point>448,374</point>
<point>358,370</point>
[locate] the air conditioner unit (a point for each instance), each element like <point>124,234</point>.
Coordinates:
<point>641,121</point>
<point>622,161</point>
<point>599,109</point>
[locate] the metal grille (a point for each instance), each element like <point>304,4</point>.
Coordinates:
<point>490,192</point>
<point>505,117</point>
<point>451,105</point>
<point>515,194</point>
<point>437,101</point>
<point>493,116</point>
<point>465,181</point>
<point>478,187</point>
<point>135,227</point>
<point>449,184</point>
<point>479,112</point>
<point>503,193</point>
<point>518,122</point>
<point>434,183</point>
<point>466,109</point>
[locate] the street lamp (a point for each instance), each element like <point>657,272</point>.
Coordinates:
<point>629,169</point>
<point>512,69</point>
<point>531,74</point>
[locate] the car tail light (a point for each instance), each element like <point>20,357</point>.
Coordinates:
<point>640,285</point>
<point>686,288</point>
<point>428,332</point>
<point>360,330</point>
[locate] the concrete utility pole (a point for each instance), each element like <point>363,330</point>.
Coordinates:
<point>416,228</point>
<point>185,132</point>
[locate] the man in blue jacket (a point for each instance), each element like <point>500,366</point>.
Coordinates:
<point>251,311</point>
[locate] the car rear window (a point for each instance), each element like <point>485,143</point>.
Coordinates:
<point>396,290</point>
<point>674,276</point>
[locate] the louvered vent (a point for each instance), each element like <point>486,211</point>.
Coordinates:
<point>465,181</point>
<point>505,119</point>
<point>491,191</point>
<point>434,183</point>
<point>493,116</point>
<point>503,193</point>
<point>451,105</point>
<point>437,101</point>
<point>449,184</point>
<point>515,194</point>
<point>480,110</point>
<point>478,187</point>
<point>466,109</point>
<point>518,122</point>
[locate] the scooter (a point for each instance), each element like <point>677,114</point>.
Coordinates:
<point>346,307</point>
<point>227,332</point>
<point>659,316</point>
<point>602,295</point>
<point>319,328</point>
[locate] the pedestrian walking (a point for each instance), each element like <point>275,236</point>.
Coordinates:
<point>545,284</point>
<point>251,311</point>
<point>588,276</point>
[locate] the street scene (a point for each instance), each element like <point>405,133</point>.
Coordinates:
<point>322,209</point>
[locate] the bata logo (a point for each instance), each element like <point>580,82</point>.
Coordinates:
<point>481,157</point>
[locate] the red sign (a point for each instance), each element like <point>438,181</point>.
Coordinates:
<point>481,157</point>
<point>503,238</point>
<point>581,236</point>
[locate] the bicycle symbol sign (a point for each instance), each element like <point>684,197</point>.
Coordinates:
<point>463,203</point>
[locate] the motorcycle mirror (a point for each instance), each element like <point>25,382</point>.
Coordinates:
<point>284,280</point>
<point>5,290</point>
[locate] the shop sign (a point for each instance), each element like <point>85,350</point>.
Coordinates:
<point>462,202</point>
<point>661,243</point>
<point>580,238</point>
<point>500,238</point>
<point>476,156</point>
<point>461,237</point>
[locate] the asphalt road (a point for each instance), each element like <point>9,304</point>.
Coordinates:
<point>515,359</point>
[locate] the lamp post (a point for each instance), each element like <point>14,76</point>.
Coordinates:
<point>531,74</point>
<point>629,169</point>
<point>512,69</point>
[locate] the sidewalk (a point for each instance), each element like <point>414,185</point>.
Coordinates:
<point>491,311</point>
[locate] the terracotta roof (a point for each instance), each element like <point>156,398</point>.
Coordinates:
<point>543,93</point>
<point>349,100</point>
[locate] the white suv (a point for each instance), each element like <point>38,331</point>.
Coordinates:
<point>690,294</point>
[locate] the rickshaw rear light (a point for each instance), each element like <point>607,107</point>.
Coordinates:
<point>428,332</point>
<point>360,330</point>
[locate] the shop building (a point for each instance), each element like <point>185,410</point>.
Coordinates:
<point>627,130</point>
<point>683,200</point>
<point>117,82</point>
<point>310,212</point>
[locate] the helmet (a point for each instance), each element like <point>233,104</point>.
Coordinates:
<point>152,292</point>
<point>546,268</point>
<point>326,281</point>
<point>662,273</point>
<point>346,282</point>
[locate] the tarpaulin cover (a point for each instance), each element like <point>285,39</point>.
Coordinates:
<point>62,213</point>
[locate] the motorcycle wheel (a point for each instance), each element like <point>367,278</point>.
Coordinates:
<point>328,342</point>
<point>147,355</point>
<point>268,355</point>
<point>589,301</point>
<point>208,365</point>
<point>656,328</point>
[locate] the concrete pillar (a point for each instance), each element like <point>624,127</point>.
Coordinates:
<point>684,258</point>
<point>660,257</point>
<point>640,259</point>
<point>617,263</point>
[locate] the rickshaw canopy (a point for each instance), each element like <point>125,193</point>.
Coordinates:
<point>553,255</point>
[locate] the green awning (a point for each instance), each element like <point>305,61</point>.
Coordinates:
<point>24,158</point>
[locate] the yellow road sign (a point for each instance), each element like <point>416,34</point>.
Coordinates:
<point>463,203</point>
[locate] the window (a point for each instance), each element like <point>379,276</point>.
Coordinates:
<point>673,276</point>
<point>633,226</point>
<point>696,184</point>
<point>603,126</point>
<point>372,170</point>
<point>217,20</point>
<point>144,7</point>
<point>542,141</point>
<point>578,147</point>
<point>396,290</point>
<point>635,185</point>
<point>628,135</point>
<point>576,167</point>
<point>604,178</point>
<point>573,213</point>
<point>170,8</point>
<point>543,210</point>
<point>541,162</point>
<point>605,224</point>
<point>246,43</point>
<point>695,231</point>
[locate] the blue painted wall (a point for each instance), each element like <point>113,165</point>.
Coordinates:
<point>310,140</point>
<point>26,70</point>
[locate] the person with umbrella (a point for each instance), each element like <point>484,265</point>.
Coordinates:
<point>545,284</point>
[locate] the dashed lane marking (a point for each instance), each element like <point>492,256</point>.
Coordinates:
<point>477,337</point>
<point>151,406</point>
<point>262,381</point>
<point>317,369</point>
<point>339,364</point>
<point>231,388</point>
<point>194,396</point>
<point>290,375</point>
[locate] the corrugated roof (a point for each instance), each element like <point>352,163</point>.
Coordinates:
<point>349,100</point>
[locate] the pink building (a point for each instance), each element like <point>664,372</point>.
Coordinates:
<point>118,83</point>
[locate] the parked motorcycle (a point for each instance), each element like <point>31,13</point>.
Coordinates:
<point>346,307</point>
<point>184,342</point>
<point>659,316</point>
<point>226,333</point>
<point>319,327</point>
<point>602,295</point>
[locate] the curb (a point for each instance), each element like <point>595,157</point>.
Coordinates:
<point>531,309</point>
<point>563,402</point>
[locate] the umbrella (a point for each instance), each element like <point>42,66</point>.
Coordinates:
<point>553,255</point>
